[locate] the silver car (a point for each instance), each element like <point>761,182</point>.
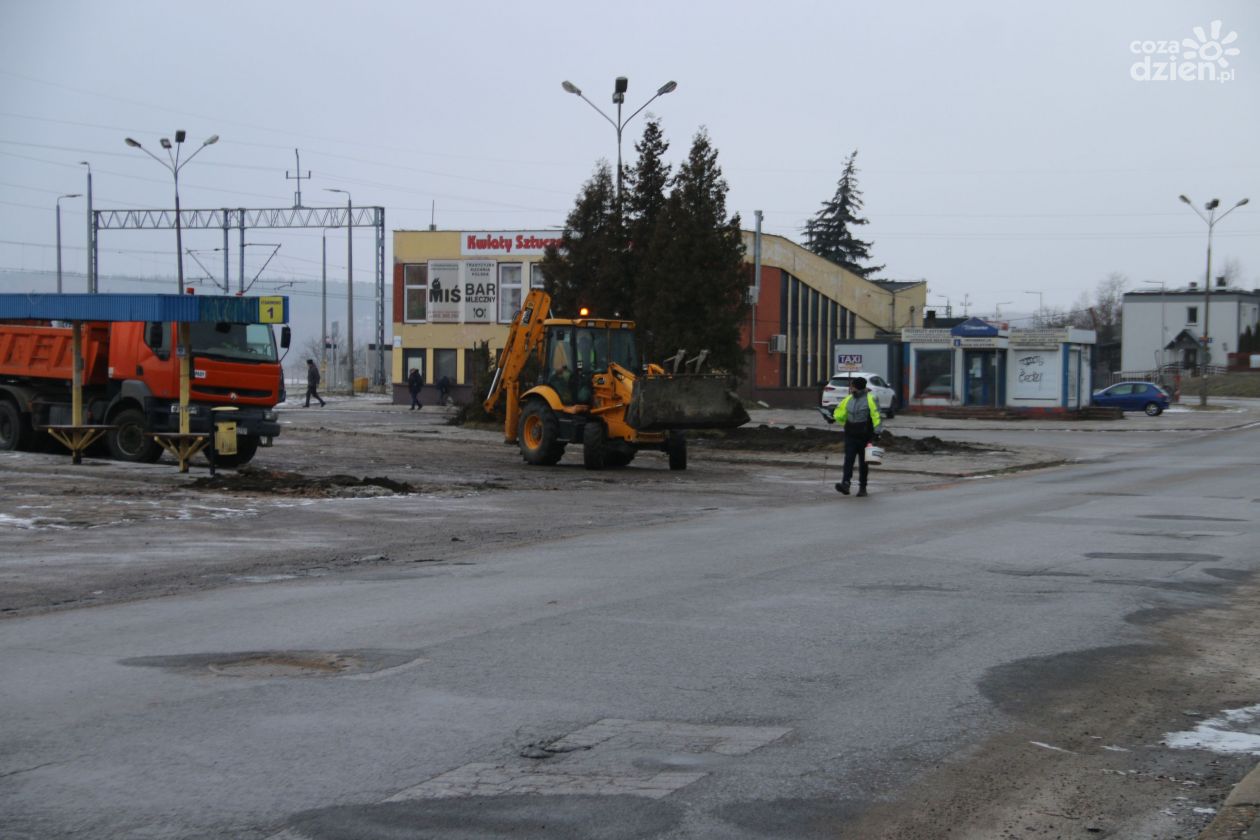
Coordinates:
<point>838,388</point>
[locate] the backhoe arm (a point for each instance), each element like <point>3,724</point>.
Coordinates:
<point>524,338</point>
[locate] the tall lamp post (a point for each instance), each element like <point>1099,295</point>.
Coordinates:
<point>619,97</point>
<point>174,165</point>
<point>68,195</point>
<point>1210,219</point>
<point>349,283</point>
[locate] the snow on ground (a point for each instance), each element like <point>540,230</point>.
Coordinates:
<point>1226,734</point>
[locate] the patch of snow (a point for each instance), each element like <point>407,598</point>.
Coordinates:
<point>1221,734</point>
<point>1051,747</point>
<point>1115,749</point>
<point>1204,810</point>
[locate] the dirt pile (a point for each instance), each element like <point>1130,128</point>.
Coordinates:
<point>280,483</point>
<point>793,439</point>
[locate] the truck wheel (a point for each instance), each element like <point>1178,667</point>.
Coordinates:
<point>246,448</point>
<point>15,431</point>
<point>676,446</point>
<point>130,441</point>
<point>539,435</point>
<point>594,436</point>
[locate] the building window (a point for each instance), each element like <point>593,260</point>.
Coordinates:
<point>933,373</point>
<point>413,359</point>
<point>415,293</point>
<point>445,363</point>
<point>536,279</point>
<point>509,291</point>
<point>1192,314</point>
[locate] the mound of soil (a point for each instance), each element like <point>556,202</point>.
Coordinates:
<point>277,482</point>
<point>793,439</point>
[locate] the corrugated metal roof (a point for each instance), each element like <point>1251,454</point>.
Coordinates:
<point>114,307</point>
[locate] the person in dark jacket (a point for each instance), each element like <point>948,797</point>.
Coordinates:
<point>415,382</point>
<point>860,415</point>
<point>312,383</point>
<point>444,390</point>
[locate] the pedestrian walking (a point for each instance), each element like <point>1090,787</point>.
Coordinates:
<point>444,390</point>
<point>862,424</point>
<point>312,383</point>
<point>415,382</point>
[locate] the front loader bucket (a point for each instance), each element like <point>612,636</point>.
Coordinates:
<point>684,401</point>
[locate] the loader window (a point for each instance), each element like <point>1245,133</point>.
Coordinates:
<point>621,348</point>
<point>559,371</point>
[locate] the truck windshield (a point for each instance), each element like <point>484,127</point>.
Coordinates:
<point>240,342</point>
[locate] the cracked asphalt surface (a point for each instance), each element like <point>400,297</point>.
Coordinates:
<point>980,650</point>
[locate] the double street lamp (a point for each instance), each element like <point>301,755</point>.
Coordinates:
<point>618,98</point>
<point>68,195</point>
<point>174,165</point>
<point>1210,219</point>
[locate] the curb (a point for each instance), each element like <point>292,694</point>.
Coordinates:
<point>1239,817</point>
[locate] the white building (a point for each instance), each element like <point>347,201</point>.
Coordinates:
<point>1165,326</point>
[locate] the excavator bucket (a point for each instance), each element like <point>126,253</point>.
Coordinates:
<point>684,401</point>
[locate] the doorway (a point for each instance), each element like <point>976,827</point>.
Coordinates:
<point>985,375</point>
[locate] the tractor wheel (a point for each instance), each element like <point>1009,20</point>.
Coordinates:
<point>539,435</point>
<point>618,459</point>
<point>594,438</point>
<point>246,448</point>
<point>129,439</point>
<point>676,446</point>
<point>15,430</point>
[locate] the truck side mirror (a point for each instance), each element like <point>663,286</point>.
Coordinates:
<point>285,337</point>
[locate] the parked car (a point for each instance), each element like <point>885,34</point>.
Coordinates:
<point>838,388</point>
<point>1134,396</point>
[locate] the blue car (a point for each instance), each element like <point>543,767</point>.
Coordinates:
<point>1134,396</point>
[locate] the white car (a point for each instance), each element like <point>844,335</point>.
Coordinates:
<point>838,388</point>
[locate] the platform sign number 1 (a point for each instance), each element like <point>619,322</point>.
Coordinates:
<point>270,310</point>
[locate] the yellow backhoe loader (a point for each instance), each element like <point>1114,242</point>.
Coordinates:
<point>582,389</point>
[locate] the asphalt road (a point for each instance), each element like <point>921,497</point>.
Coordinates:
<point>799,670</point>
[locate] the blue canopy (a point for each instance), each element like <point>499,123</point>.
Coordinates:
<point>975,328</point>
<point>165,308</point>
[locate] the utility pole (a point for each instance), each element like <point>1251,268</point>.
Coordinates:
<point>323,305</point>
<point>91,234</point>
<point>349,283</point>
<point>299,177</point>
<point>68,195</point>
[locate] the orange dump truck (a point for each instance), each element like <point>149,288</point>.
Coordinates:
<point>131,382</point>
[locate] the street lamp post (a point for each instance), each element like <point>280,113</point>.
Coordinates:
<point>997,309</point>
<point>1210,219</point>
<point>68,195</point>
<point>619,97</point>
<point>174,165</point>
<point>349,283</point>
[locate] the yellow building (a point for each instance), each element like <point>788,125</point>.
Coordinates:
<point>455,289</point>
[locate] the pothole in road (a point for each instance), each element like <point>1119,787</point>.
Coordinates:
<point>275,664</point>
<point>286,665</point>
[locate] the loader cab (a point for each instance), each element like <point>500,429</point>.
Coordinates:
<point>575,351</point>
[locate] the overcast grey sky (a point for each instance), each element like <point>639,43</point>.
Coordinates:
<point>1004,147</point>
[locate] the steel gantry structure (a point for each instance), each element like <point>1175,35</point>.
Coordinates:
<point>239,219</point>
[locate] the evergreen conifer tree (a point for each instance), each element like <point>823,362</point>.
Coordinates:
<point>693,275</point>
<point>644,204</point>
<point>589,269</point>
<point>830,233</point>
